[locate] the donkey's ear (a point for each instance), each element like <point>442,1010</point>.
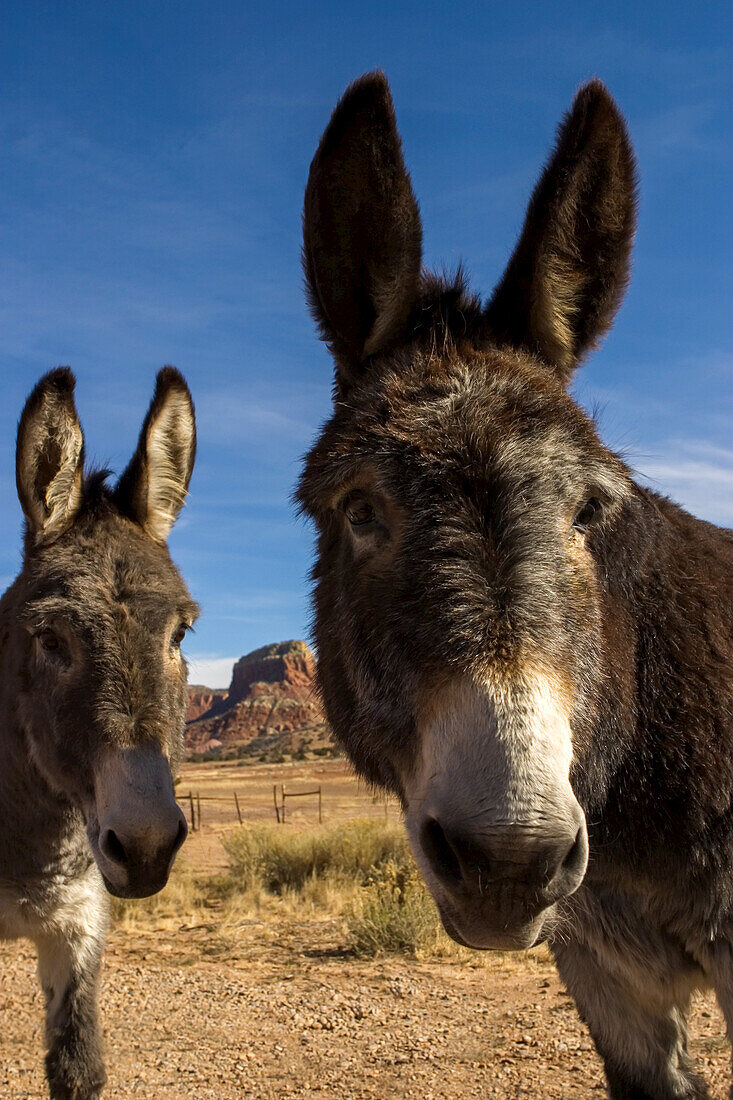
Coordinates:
<point>153,488</point>
<point>570,269</point>
<point>362,237</point>
<point>49,462</point>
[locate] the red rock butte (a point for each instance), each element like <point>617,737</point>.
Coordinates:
<point>271,702</point>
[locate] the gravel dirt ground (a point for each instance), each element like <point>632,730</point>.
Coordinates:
<point>285,1013</point>
<point>278,1009</point>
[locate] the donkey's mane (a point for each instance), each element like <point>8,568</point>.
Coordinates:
<point>447,311</point>
<point>97,493</point>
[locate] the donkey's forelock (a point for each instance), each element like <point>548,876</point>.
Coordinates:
<point>468,417</point>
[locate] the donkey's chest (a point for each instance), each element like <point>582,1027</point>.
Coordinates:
<point>36,874</point>
<point>646,931</point>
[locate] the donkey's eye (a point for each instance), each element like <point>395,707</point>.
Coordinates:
<point>357,509</point>
<point>588,513</point>
<point>179,635</point>
<point>49,641</point>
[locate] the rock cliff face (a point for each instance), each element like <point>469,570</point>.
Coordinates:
<point>202,699</point>
<point>289,666</point>
<point>271,701</point>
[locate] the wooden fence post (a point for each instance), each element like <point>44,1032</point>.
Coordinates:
<point>198,808</point>
<point>193,814</point>
<point>239,812</point>
<point>274,799</point>
<point>320,806</point>
<point>283,803</point>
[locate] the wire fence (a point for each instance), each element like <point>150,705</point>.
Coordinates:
<point>192,801</point>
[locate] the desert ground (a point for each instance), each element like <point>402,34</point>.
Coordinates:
<point>271,1003</point>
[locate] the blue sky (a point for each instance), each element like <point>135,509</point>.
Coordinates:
<point>154,157</point>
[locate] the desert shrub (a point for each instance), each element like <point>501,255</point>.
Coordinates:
<point>394,914</point>
<point>361,872</point>
<point>281,857</point>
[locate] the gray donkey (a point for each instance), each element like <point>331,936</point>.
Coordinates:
<point>533,651</point>
<point>92,701</point>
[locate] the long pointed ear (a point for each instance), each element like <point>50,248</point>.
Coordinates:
<point>362,237</point>
<point>49,462</point>
<point>153,488</point>
<point>570,269</point>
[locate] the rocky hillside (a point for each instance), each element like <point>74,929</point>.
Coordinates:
<point>201,699</point>
<point>271,704</point>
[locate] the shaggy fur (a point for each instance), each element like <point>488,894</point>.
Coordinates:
<point>481,553</point>
<point>92,706</point>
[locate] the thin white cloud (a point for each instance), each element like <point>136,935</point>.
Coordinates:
<point>685,127</point>
<point>262,601</point>
<point>231,417</point>
<point>696,474</point>
<point>213,672</point>
<point>696,470</point>
<point>712,451</point>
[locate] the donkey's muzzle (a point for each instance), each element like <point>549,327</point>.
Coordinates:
<point>495,884</point>
<point>492,817</point>
<point>138,861</point>
<point>140,826</point>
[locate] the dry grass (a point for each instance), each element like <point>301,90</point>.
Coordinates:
<point>360,874</point>
<point>183,901</point>
<point>362,870</point>
<point>279,858</point>
<point>395,914</point>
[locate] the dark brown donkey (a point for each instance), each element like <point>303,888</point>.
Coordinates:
<point>534,652</point>
<point>92,701</point>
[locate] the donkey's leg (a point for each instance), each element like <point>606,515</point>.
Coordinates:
<point>718,961</point>
<point>637,1027</point>
<point>69,956</point>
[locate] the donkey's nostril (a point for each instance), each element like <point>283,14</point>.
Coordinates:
<point>181,834</point>
<point>112,847</point>
<point>439,852</point>
<point>574,861</point>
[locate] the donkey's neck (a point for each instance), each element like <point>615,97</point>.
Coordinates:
<point>683,606</point>
<point>672,738</point>
<point>36,822</point>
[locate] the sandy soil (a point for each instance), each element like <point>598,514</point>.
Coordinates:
<point>282,1011</point>
<point>285,1013</point>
